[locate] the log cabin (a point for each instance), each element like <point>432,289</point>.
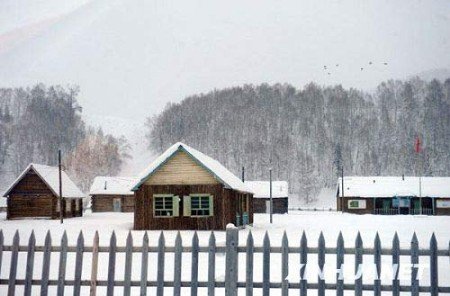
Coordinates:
<point>184,189</point>
<point>35,194</point>
<point>261,196</point>
<point>112,194</point>
<point>394,195</point>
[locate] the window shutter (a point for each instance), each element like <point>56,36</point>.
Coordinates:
<point>176,206</point>
<point>211,205</point>
<point>186,205</point>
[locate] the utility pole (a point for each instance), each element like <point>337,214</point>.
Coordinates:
<point>243,174</point>
<point>61,215</point>
<point>342,186</point>
<point>271,201</point>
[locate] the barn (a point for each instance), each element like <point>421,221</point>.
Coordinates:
<point>394,195</point>
<point>35,194</point>
<point>112,194</point>
<point>261,197</point>
<point>184,189</point>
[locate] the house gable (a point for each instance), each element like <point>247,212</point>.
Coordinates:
<point>181,169</point>
<point>31,183</point>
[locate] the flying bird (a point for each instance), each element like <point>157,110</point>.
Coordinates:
<point>324,67</point>
<point>337,65</point>
<point>329,73</point>
<point>362,68</point>
<point>385,64</point>
<point>370,63</point>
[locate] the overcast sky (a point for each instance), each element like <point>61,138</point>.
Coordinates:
<point>131,57</point>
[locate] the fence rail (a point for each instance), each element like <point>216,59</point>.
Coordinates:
<point>231,249</point>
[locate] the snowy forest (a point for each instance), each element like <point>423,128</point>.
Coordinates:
<point>307,135</point>
<point>35,122</point>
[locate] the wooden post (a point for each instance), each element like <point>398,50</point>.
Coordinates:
<point>339,265</point>
<point>13,267</point>
<point>434,267</point>
<point>266,265</point>
<point>177,266</point>
<point>78,265</point>
<point>303,262</point>
<point>194,265</point>
<point>30,264</point>
<point>231,261</point>
<point>46,264</point>
<point>284,265</point>
<point>160,271</point>
<point>111,265</point>
<point>249,266</point>
<point>128,264</point>
<point>62,208</point>
<point>377,262</point>
<point>321,261</point>
<point>396,261</point>
<point>62,265</point>
<point>211,264</point>
<point>270,192</point>
<point>144,265</point>
<point>414,261</point>
<point>358,264</point>
<point>94,266</point>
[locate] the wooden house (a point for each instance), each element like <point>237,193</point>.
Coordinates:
<point>261,196</point>
<point>394,195</point>
<point>112,194</point>
<point>35,193</point>
<point>185,189</point>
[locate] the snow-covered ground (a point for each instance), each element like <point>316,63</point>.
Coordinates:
<point>330,223</point>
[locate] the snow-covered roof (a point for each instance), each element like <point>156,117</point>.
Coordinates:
<point>394,186</point>
<point>113,185</point>
<point>222,174</point>
<point>261,189</point>
<point>50,176</point>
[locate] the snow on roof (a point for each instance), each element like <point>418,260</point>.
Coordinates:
<point>222,174</point>
<point>50,175</point>
<point>394,186</point>
<point>261,189</point>
<point>113,185</point>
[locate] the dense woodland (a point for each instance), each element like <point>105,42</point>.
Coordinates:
<point>307,135</point>
<point>36,122</point>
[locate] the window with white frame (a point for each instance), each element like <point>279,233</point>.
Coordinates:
<point>201,205</point>
<point>165,205</point>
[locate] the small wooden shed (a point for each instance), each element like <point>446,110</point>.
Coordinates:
<point>261,197</point>
<point>185,189</point>
<point>112,194</point>
<point>35,194</point>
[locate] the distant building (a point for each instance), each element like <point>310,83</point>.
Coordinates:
<point>394,195</point>
<point>112,194</point>
<point>261,197</point>
<point>186,189</point>
<point>35,193</point>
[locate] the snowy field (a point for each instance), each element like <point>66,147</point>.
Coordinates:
<point>330,223</point>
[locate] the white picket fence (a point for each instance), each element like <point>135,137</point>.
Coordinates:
<point>233,253</point>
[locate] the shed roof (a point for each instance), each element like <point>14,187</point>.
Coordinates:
<point>221,173</point>
<point>261,189</point>
<point>112,185</point>
<point>356,186</point>
<point>50,176</point>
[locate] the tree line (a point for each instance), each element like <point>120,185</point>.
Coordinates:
<point>36,122</point>
<point>308,135</point>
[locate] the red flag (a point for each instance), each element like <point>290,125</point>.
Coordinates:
<point>417,145</point>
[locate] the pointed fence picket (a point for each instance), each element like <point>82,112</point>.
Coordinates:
<point>232,251</point>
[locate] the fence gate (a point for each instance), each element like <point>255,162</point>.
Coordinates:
<point>257,261</point>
